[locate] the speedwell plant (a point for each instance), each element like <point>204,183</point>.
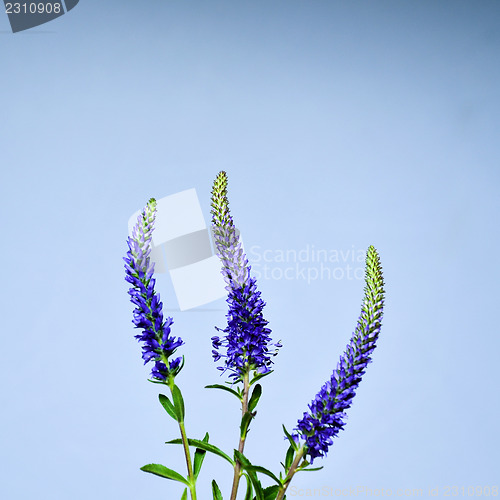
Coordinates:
<point>244,350</point>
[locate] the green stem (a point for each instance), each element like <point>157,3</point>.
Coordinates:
<point>241,445</point>
<point>291,472</point>
<point>192,480</point>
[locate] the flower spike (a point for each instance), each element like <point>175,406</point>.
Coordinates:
<point>247,337</point>
<point>158,345</point>
<point>326,416</point>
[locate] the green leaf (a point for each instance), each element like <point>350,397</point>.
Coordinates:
<point>289,458</point>
<point>242,459</point>
<point>257,392</point>
<point>310,469</point>
<point>199,456</point>
<point>167,404</point>
<point>249,493</point>
<point>204,446</point>
<point>259,492</point>
<point>215,491</point>
<point>262,470</point>
<point>162,471</point>
<point>185,494</point>
<point>224,388</point>
<point>248,467</point>
<point>271,492</point>
<point>295,446</point>
<point>179,403</point>
<point>157,382</point>
<point>259,376</point>
<point>245,421</point>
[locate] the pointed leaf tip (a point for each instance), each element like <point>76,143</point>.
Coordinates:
<point>162,471</point>
<point>167,404</point>
<point>217,495</point>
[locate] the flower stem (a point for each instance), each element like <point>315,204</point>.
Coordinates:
<point>192,481</point>
<point>241,445</point>
<point>291,472</point>
<point>185,444</point>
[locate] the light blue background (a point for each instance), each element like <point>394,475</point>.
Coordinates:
<point>340,124</point>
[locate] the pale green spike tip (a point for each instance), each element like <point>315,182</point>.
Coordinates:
<point>220,204</point>
<point>220,183</point>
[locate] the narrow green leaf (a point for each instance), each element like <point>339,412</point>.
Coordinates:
<point>259,376</point>
<point>289,458</point>
<point>311,469</point>
<point>179,403</point>
<point>257,392</point>
<point>199,456</point>
<point>262,470</point>
<point>204,446</point>
<point>215,491</point>
<point>295,446</point>
<point>250,470</point>
<point>249,492</point>
<point>224,388</point>
<point>157,382</point>
<point>245,422</point>
<point>259,492</point>
<point>167,404</point>
<point>162,471</point>
<point>246,465</point>
<point>242,459</point>
<point>185,494</point>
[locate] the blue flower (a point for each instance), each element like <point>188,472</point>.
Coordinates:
<point>326,416</point>
<point>158,346</point>
<point>247,337</point>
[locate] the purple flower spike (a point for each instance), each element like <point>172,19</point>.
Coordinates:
<point>247,337</point>
<point>158,346</point>
<point>326,416</point>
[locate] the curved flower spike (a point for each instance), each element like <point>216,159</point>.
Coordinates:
<point>158,345</point>
<point>326,416</point>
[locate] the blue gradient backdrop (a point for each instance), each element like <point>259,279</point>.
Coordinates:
<point>340,124</point>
